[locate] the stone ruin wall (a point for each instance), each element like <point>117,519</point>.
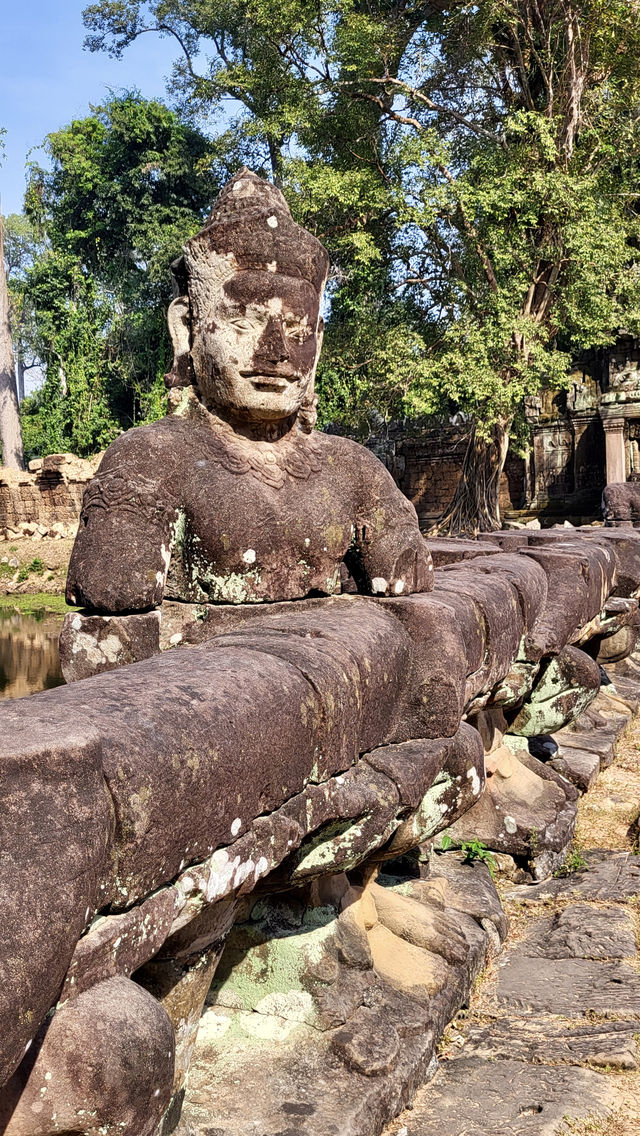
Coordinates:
<point>44,500</point>
<point>563,476</point>
<point>427,468</point>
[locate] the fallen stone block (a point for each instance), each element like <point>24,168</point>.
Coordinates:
<point>577,765</point>
<point>520,813</point>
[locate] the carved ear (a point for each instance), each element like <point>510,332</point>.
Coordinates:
<point>179,321</point>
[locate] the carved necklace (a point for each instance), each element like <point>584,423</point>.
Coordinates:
<point>295,455</point>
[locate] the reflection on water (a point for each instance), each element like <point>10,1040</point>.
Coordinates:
<point>29,659</point>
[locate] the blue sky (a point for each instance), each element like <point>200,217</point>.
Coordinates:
<point>46,79</point>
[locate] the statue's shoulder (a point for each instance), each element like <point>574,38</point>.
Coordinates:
<point>352,454</point>
<point>149,447</point>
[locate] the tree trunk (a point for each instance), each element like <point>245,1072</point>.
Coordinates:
<point>475,506</point>
<point>20,367</point>
<point>10,433</point>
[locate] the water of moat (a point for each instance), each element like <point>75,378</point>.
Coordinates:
<point>29,659</point>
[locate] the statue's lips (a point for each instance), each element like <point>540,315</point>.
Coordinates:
<point>266,382</point>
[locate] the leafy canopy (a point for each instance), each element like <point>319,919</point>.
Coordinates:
<point>124,187</point>
<point>473,171</point>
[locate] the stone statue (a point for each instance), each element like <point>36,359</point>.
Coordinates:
<point>235,498</point>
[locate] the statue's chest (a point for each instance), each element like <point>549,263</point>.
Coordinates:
<point>238,539</point>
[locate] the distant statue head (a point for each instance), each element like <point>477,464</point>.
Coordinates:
<point>246,324</point>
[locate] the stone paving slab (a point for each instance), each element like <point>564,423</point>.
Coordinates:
<point>607,876</point>
<point>572,987</point>
<point>583,932</point>
<point>509,1098</point>
<point>555,1022</point>
<point>580,766</point>
<point>543,1040</point>
<point>599,741</point>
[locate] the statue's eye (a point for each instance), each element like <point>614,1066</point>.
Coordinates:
<point>242,324</point>
<point>295,330</point>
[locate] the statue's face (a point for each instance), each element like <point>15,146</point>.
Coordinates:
<point>255,354</point>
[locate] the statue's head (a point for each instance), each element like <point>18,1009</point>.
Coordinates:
<point>246,325</point>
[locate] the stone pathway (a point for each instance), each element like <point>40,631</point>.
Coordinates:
<point>549,1044</point>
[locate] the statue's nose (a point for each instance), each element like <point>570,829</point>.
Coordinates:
<point>273,344</point>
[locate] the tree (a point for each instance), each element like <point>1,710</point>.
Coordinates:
<point>10,435</point>
<point>125,186</point>
<point>473,170</point>
<point>21,250</point>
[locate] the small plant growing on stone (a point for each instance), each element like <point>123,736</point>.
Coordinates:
<point>472,850</point>
<point>476,850</point>
<point>574,862</point>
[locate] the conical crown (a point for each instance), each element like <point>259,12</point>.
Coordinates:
<point>251,227</point>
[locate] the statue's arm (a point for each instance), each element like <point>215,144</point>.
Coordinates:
<point>121,554</point>
<point>389,555</point>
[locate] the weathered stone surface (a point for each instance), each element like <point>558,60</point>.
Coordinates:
<point>585,932</point>
<point>444,796</point>
<point>436,684</point>
<point>599,741</point>
<point>528,578</point>
<point>104,1064</point>
<point>545,770</point>
<point>563,688</point>
<point>541,1040</point>
<point>519,812</point>
<point>48,496</point>
<point>515,1100</point>
<point>55,829</point>
<point>572,987</point>
<point>364,1048</point>
<point>119,944</point>
<point>608,876</point>
<point>91,644</point>
<point>578,586</point>
<point>578,765</point>
<point>500,617</point>
<point>626,549</point>
<point>444,550</point>
<point>621,503</point>
<point>465,887</point>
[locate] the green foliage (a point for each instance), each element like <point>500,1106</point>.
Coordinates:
<point>473,173</point>
<point>476,850</point>
<point>124,188</point>
<point>472,850</point>
<point>574,862</point>
<point>36,567</point>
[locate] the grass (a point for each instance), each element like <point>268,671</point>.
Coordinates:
<point>40,602</point>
